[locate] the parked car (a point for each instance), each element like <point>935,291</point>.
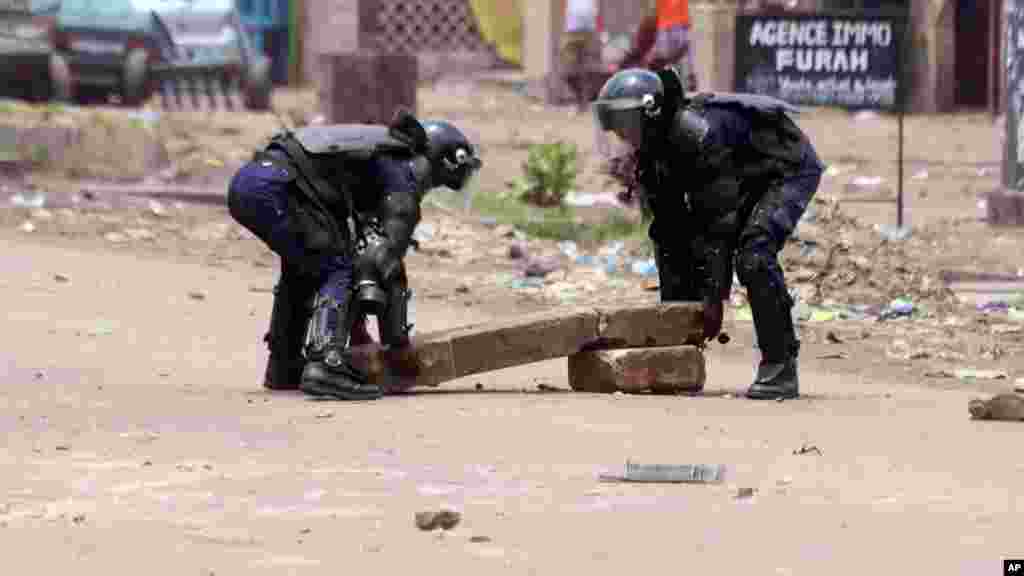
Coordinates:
<point>25,48</point>
<point>208,35</point>
<point>109,46</point>
<point>131,48</point>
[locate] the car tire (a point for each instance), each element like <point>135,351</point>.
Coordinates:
<point>258,85</point>
<point>135,78</point>
<point>61,82</point>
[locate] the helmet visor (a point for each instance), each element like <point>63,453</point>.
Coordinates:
<point>620,126</point>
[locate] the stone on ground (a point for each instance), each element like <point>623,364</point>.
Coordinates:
<point>662,370</point>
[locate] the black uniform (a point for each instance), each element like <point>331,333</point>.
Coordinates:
<point>726,178</point>
<point>339,205</point>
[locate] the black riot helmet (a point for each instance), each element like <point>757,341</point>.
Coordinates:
<point>628,101</point>
<point>453,160</point>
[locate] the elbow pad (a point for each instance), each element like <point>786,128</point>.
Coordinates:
<point>400,213</point>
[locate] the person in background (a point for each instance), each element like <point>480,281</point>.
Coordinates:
<point>581,49</point>
<point>672,46</point>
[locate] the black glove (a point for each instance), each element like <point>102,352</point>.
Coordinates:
<point>713,313</point>
<point>381,258</point>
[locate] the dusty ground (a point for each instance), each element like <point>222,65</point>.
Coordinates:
<point>139,440</point>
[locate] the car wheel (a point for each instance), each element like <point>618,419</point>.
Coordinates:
<point>134,80</point>
<point>258,85</point>
<point>61,84</point>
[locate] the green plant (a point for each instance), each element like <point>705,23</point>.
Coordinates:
<point>39,154</point>
<point>549,173</point>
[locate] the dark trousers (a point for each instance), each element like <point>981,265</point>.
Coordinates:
<point>258,199</point>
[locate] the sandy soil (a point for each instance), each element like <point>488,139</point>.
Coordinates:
<point>137,439</point>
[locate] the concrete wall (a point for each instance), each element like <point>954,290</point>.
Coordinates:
<point>542,23</point>
<point>932,57</point>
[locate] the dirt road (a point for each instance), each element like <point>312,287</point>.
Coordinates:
<point>137,440</point>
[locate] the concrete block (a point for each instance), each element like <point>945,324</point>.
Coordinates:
<point>1004,208</point>
<point>366,86</point>
<point>663,370</point>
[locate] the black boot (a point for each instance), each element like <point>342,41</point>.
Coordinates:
<point>329,371</point>
<point>772,306</point>
<point>776,380</point>
<point>287,331</point>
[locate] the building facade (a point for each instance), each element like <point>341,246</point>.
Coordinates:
<point>956,46</point>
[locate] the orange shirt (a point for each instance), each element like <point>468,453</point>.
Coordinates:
<point>672,13</point>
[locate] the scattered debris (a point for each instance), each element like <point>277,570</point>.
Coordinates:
<point>140,234</point>
<point>807,449</point>
<point>540,267</point>
<point>103,329</point>
<point>670,473</point>
<point>443,519</point>
<point>974,374</point>
<point>516,251</point>
<point>157,209</point>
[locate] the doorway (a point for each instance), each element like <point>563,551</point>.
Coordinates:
<point>977,24</point>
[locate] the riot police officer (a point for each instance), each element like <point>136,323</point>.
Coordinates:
<point>726,178</point>
<point>339,205</point>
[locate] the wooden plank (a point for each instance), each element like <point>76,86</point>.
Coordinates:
<point>437,357</point>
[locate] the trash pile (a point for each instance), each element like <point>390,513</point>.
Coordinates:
<point>839,268</point>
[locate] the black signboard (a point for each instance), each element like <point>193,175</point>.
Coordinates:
<point>850,61</point>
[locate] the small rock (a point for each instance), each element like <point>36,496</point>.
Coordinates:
<point>1006,407</point>
<point>462,289</point>
<point>196,295</point>
<point>78,518</point>
<point>833,338</point>
<point>139,234</point>
<point>745,493</point>
<point>61,278</point>
<point>443,519</point>
<point>39,375</point>
<point>478,386</point>
<point>305,531</point>
<point>27,226</point>
<point>62,447</point>
<point>540,267</point>
<point>516,252</point>
<point>115,237</point>
<point>504,231</point>
<point>479,539</point>
<point>325,414</point>
<point>156,208</point>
